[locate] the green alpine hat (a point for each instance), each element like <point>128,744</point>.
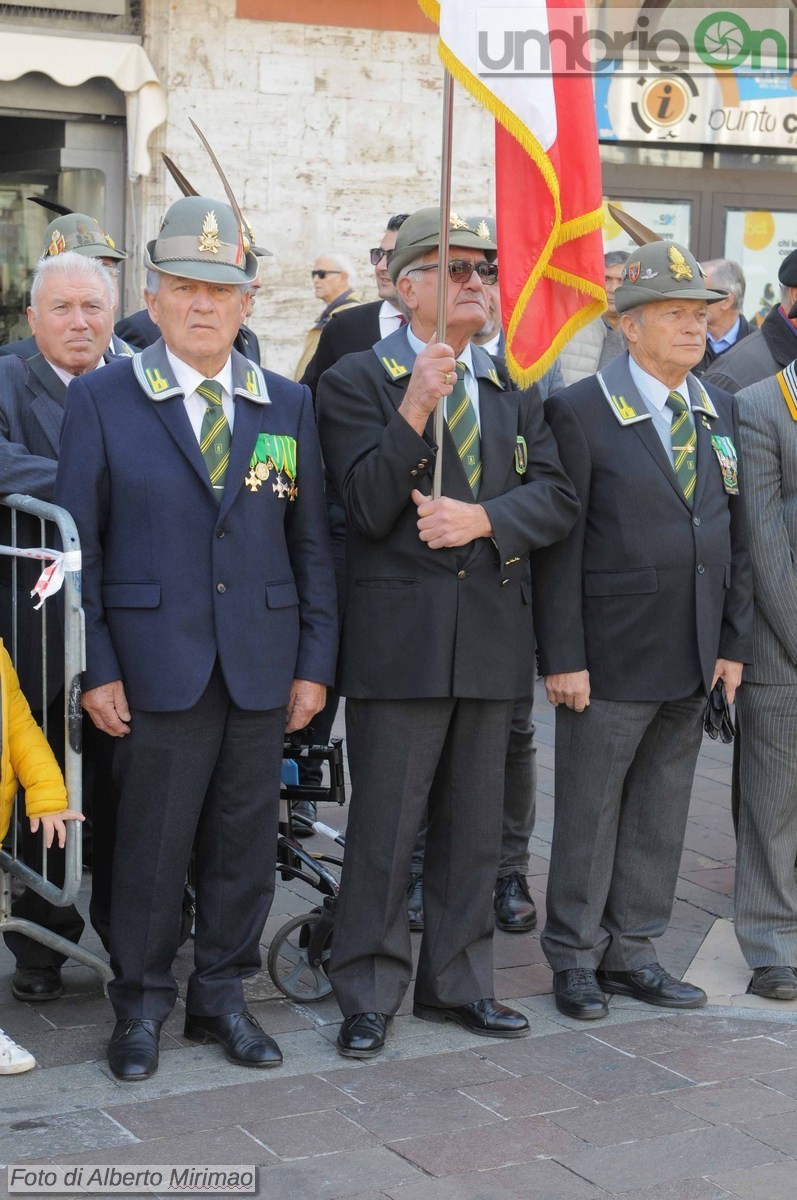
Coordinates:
<point>200,238</point>
<point>662,271</point>
<point>421,232</point>
<point>78,232</point>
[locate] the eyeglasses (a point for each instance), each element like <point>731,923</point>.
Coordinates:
<point>377,254</point>
<point>323,274</point>
<point>461,269</point>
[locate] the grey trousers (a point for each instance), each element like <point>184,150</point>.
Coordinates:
<point>520,797</point>
<point>401,752</point>
<point>766,889</point>
<point>624,774</point>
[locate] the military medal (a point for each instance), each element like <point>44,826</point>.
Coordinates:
<point>280,487</point>
<point>274,452</point>
<point>729,464</point>
<point>252,481</point>
<point>521,455</point>
<point>262,471</point>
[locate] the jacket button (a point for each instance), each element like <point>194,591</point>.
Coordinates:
<point>221,587</point>
<point>460,574</point>
<point>220,533</point>
<point>700,569</point>
<point>423,462</point>
<point>695,520</point>
<point>504,582</point>
<point>413,472</point>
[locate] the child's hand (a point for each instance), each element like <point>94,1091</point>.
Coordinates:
<point>55,824</point>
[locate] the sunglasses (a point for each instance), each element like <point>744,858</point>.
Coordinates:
<point>461,269</point>
<point>323,274</point>
<point>377,254</point>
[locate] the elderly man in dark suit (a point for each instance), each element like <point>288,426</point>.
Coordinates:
<point>639,612</point>
<point>438,639</point>
<point>71,313</point>
<point>765,918</point>
<point>210,628</point>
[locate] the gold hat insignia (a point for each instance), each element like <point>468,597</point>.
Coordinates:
<point>679,267</point>
<point>209,239</point>
<point>456,222</point>
<point>482,230</point>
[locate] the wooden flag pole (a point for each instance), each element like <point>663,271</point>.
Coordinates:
<point>442,274</point>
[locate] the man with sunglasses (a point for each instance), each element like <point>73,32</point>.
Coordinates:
<point>334,283</point>
<point>359,328</point>
<point>437,640</point>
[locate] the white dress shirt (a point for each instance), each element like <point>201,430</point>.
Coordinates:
<point>655,394</point>
<point>65,376</point>
<point>390,319</point>
<point>195,405</point>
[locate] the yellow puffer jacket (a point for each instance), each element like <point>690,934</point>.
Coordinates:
<point>25,754</point>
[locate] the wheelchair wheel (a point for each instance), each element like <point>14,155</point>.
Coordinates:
<point>288,961</point>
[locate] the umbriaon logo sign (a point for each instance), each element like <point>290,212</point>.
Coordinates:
<point>535,40</point>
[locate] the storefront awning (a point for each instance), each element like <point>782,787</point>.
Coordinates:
<point>72,61</point>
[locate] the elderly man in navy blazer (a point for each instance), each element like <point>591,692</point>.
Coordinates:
<point>210,628</point>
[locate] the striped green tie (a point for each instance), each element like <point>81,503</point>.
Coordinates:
<point>461,417</point>
<point>684,445</point>
<point>214,437</point>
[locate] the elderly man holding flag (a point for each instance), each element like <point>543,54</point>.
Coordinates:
<point>438,639</point>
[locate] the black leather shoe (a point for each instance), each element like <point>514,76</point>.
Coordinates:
<point>415,902</point>
<point>654,985</point>
<point>514,907</point>
<point>485,1017</point>
<point>37,983</point>
<point>243,1040</point>
<point>363,1035</point>
<point>577,993</point>
<point>775,983</point>
<point>306,809</point>
<point>133,1049</point>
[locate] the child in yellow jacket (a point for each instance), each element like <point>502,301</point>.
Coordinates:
<point>26,758</point>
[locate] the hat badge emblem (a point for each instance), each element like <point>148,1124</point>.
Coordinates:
<point>633,272</point>
<point>456,222</point>
<point>57,243</point>
<point>679,267</point>
<point>482,231</point>
<point>209,238</point>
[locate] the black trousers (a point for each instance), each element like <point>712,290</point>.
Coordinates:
<point>210,776</point>
<point>401,752</point>
<point>99,806</point>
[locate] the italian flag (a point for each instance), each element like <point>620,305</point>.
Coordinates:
<point>547,166</point>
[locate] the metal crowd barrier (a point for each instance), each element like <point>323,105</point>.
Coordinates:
<point>51,518</point>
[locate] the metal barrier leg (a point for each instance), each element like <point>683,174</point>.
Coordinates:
<point>45,937</point>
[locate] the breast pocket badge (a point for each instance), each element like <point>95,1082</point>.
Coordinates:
<point>728,460</point>
<point>521,455</point>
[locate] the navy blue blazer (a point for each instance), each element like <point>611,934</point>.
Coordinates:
<point>171,579</point>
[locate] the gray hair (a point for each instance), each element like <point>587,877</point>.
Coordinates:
<point>342,263</point>
<point>727,276</point>
<point>410,268</point>
<point>616,258</point>
<point>153,283</point>
<point>68,267</point>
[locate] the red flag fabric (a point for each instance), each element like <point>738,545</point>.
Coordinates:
<point>548,181</point>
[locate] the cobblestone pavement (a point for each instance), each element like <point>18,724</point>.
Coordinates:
<point>645,1105</point>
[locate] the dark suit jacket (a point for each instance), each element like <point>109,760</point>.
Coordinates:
<point>31,414</point>
<point>171,580</point>
<point>710,356</point>
<point>140,330</point>
<point>348,332</point>
<point>763,353</point>
<point>451,622</point>
<point>645,593</point>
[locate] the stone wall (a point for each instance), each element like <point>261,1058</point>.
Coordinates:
<point>324,132</point>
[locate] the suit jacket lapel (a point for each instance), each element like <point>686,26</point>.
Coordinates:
<point>47,402</point>
<point>173,415</point>
<point>499,429</point>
